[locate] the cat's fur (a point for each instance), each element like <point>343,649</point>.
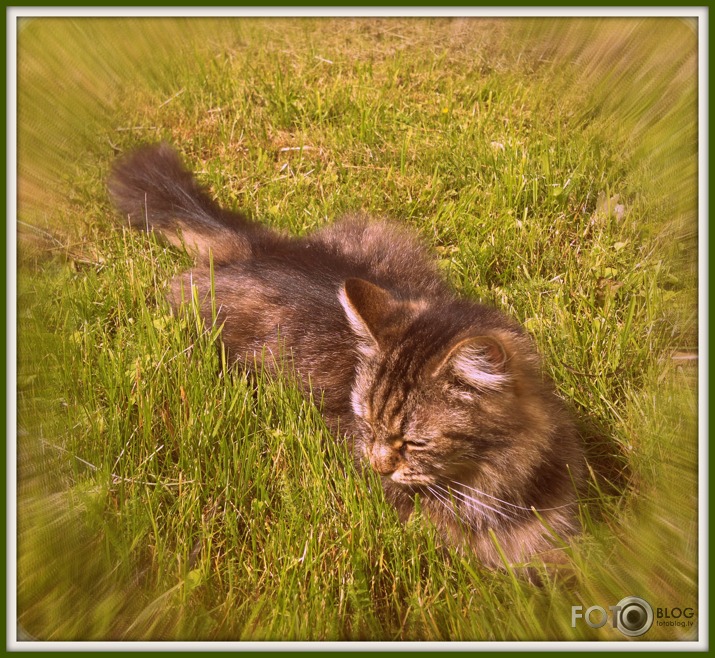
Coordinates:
<point>442,396</point>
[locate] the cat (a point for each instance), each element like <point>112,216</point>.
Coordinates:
<point>443,397</point>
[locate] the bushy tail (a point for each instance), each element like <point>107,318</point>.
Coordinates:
<point>153,188</point>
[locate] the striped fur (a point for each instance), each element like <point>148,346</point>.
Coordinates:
<point>442,396</point>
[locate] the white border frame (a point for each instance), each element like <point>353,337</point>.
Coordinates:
<point>14,13</point>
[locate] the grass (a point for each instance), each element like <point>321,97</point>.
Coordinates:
<point>551,164</point>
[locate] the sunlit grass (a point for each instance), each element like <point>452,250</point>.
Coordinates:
<point>551,166</point>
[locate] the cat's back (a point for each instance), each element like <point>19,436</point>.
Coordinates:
<point>384,252</point>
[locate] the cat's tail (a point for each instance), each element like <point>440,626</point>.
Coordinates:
<point>155,191</point>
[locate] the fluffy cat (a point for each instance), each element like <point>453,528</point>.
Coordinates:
<point>441,396</point>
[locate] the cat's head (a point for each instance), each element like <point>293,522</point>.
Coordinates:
<point>444,391</point>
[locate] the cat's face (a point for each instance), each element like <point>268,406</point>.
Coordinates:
<point>432,405</point>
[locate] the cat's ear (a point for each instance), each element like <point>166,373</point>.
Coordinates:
<point>367,308</point>
<point>481,362</point>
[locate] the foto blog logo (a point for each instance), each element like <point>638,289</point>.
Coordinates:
<point>632,616</point>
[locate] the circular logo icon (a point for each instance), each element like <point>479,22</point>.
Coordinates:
<point>635,616</point>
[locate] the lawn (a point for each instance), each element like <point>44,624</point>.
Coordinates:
<point>550,164</point>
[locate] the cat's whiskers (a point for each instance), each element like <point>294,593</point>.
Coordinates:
<point>513,505</point>
<point>444,501</point>
<point>474,504</point>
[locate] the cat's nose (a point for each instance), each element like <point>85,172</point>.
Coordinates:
<point>383,459</point>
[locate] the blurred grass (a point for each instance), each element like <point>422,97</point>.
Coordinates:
<point>551,164</point>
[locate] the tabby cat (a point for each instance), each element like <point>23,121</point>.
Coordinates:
<point>442,396</point>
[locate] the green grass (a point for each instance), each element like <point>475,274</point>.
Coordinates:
<point>551,165</point>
